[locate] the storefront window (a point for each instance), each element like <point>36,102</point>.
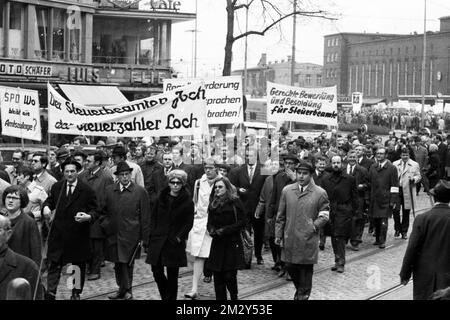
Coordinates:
<point>41,33</point>
<point>125,41</point>
<point>58,34</point>
<point>16,31</point>
<point>75,41</point>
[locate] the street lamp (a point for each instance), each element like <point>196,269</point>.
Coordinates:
<point>424,62</point>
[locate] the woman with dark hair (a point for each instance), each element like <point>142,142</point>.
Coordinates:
<point>25,239</point>
<point>226,219</point>
<point>170,223</point>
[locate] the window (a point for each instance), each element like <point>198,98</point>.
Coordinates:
<point>337,41</point>
<point>319,79</point>
<point>41,33</point>
<point>329,43</point>
<point>398,50</point>
<point>58,34</point>
<point>336,57</point>
<point>253,115</point>
<point>328,74</point>
<point>16,31</point>
<point>308,79</point>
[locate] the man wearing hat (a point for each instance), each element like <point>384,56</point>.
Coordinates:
<point>75,207</point>
<point>427,256</point>
<point>304,208</point>
<point>126,222</point>
<point>281,180</point>
<point>101,145</point>
<point>119,154</point>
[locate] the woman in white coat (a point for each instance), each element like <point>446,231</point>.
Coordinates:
<point>199,240</point>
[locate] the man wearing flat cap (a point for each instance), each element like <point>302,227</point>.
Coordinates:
<point>75,207</point>
<point>427,256</point>
<point>304,208</point>
<point>126,223</point>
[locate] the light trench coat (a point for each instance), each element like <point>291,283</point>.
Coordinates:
<point>199,240</point>
<point>411,171</point>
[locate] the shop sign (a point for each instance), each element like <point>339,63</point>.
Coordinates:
<point>149,5</point>
<point>149,76</point>
<point>21,69</point>
<point>83,74</point>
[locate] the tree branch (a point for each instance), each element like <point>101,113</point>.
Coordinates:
<point>242,5</point>
<point>315,14</point>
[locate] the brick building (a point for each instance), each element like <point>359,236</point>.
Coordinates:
<point>388,66</point>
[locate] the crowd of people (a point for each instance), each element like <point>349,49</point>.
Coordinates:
<point>395,119</point>
<point>173,201</point>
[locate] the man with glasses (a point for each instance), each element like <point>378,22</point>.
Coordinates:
<point>41,176</point>
<point>98,179</point>
<point>282,179</point>
<point>383,180</point>
<point>14,265</point>
<point>126,224</point>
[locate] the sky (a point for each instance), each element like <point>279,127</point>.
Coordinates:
<point>383,16</point>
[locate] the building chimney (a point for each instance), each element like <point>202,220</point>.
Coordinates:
<point>445,24</point>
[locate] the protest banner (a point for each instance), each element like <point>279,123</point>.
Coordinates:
<point>223,97</point>
<point>308,105</point>
<point>20,113</point>
<point>177,113</point>
<point>357,100</point>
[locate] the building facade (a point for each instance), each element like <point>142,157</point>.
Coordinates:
<point>119,43</point>
<point>385,66</point>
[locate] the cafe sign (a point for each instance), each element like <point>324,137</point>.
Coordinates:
<point>149,5</point>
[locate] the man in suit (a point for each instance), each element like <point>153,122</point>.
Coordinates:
<point>362,159</point>
<point>119,154</point>
<point>408,176</point>
<point>361,176</point>
<point>158,180</point>
<point>318,176</point>
<point>178,163</point>
<point>248,181</point>
<point>149,165</point>
<point>14,265</point>
<point>98,179</point>
<point>126,224</point>
<point>427,256</point>
<point>75,208</point>
<point>41,176</point>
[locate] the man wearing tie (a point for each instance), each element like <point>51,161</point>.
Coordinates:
<point>248,181</point>
<point>75,207</point>
<point>408,176</point>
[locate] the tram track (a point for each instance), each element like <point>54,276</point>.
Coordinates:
<point>386,292</point>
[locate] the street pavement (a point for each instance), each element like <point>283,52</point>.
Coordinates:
<point>367,273</point>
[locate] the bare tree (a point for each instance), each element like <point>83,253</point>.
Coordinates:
<point>272,16</point>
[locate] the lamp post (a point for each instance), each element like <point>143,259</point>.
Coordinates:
<point>422,116</point>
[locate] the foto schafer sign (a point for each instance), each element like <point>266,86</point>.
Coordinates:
<point>162,5</point>
<point>20,69</point>
<point>180,113</point>
<point>308,105</point>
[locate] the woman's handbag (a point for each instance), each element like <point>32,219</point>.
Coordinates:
<point>246,240</point>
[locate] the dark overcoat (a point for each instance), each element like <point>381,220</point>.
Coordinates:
<point>148,167</point>
<point>226,252</point>
<point>98,182</point>
<point>433,170</point>
<point>158,182</point>
<point>170,220</point>
<point>280,180</point>
<point>361,176</point>
<point>343,197</point>
<point>383,190</point>
<point>427,256</point>
<point>69,239</point>
<point>18,266</point>
<point>240,179</point>
<point>366,162</point>
<point>125,221</point>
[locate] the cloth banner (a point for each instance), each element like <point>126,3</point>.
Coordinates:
<point>20,113</point>
<point>223,97</point>
<point>308,105</point>
<point>179,113</point>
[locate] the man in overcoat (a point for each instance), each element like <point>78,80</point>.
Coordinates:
<point>158,180</point>
<point>383,180</point>
<point>98,179</point>
<point>304,208</point>
<point>126,223</point>
<point>75,208</point>
<point>427,256</point>
<point>408,175</point>
<point>341,190</point>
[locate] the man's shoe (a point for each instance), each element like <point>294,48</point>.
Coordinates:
<point>382,246</point>
<point>334,268</point>
<point>321,247</point>
<point>340,269</point>
<point>354,248</point>
<point>49,296</point>
<point>192,296</point>
<point>296,295</point>
<point>207,279</point>
<point>281,273</point>
<point>75,296</point>
<point>397,234</point>
<point>376,243</point>
<point>259,261</point>
<point>93,277</point>
<point>303,297</point>
<point>116,296</point>
<point>248,266</point>
<point>127,296</point>
<point>404,236</point>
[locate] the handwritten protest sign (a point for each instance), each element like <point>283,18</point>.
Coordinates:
<point>309,105</point>
<point>177,113</point>
<point>223,97</point>
<point>20,113</point>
